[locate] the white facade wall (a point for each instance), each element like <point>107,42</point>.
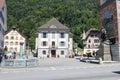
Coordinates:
<point>17,39</point>
<point>92,45</point>
<point>57,39</point>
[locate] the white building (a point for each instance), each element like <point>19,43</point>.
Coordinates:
<point>12,40</point>
<point>53,40</point>
<point>91,41</point>
<point>3,22</point>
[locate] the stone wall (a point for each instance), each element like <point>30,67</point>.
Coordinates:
<point>115,49</point>
<point>104,52</point>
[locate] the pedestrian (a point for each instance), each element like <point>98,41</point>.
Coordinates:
<point>0,58</point>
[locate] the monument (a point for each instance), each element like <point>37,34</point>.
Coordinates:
<point>104,51</point>
<point>109,11</point>
<point>21,61</point>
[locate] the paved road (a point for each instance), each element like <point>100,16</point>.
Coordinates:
<point>63,69</point>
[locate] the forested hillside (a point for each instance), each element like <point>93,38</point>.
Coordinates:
<point>28,15</point>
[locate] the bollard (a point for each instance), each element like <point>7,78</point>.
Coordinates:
<point>100,61</point>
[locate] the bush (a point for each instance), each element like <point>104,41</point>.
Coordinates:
<point>48,56</point>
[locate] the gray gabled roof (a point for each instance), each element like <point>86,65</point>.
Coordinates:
<point>53,24</point>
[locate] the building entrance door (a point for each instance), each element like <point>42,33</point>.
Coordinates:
<point>53,53</point>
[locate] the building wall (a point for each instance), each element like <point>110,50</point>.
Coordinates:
<point>91,43</point>
<point>118,19</point>
<point>56,38</point>
<point>107,9</point>
<point>3,23</point>
<point>12,41</point>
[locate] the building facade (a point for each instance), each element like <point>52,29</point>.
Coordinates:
<point>91,41</point>
<point>110,20</point>
<point>3,23</point>
<point>12,40</point>
<point>53,40</point>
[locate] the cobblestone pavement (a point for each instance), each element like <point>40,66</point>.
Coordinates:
<point>50,64</point>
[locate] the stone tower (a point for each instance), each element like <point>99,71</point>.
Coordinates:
<point>109,11</point>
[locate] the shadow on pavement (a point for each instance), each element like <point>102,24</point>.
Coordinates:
<point>117,72</point>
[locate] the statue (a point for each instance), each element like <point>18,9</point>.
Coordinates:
<point>104,37</point>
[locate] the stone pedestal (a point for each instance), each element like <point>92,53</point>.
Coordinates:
<point>115,49</point>
<point>104,52</point>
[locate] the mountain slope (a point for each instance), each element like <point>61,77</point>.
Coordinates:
<point>28,15</point>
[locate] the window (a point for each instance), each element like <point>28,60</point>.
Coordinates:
<point>89,41</point>
<point>11,49</point>
<point>0,27</point>
<point>2,30</point>
<point>16,43</point>
<point>92,35</point>
<point>44,35</point>
<point>44,43</point>
<point>96,41</point>
<point>2,17</point>
<point>3,8</point>
<point>16,49</point>
<point>6,37</point>
<point>88,46</point>
<point>62,43</point>
<point>62,35</point>
<point>96,35</point>
<point>6,43</point>
<point>12,37</point>
<point>53,35</point>
<point>62,52</point>
<point>2,44</point>
<point>44,52</point>
<point>11,43</point>
<point>53,44</point>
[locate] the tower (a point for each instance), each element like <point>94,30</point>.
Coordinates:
<point>109,11</point>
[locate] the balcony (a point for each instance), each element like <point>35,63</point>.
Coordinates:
<point>53,47</point>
